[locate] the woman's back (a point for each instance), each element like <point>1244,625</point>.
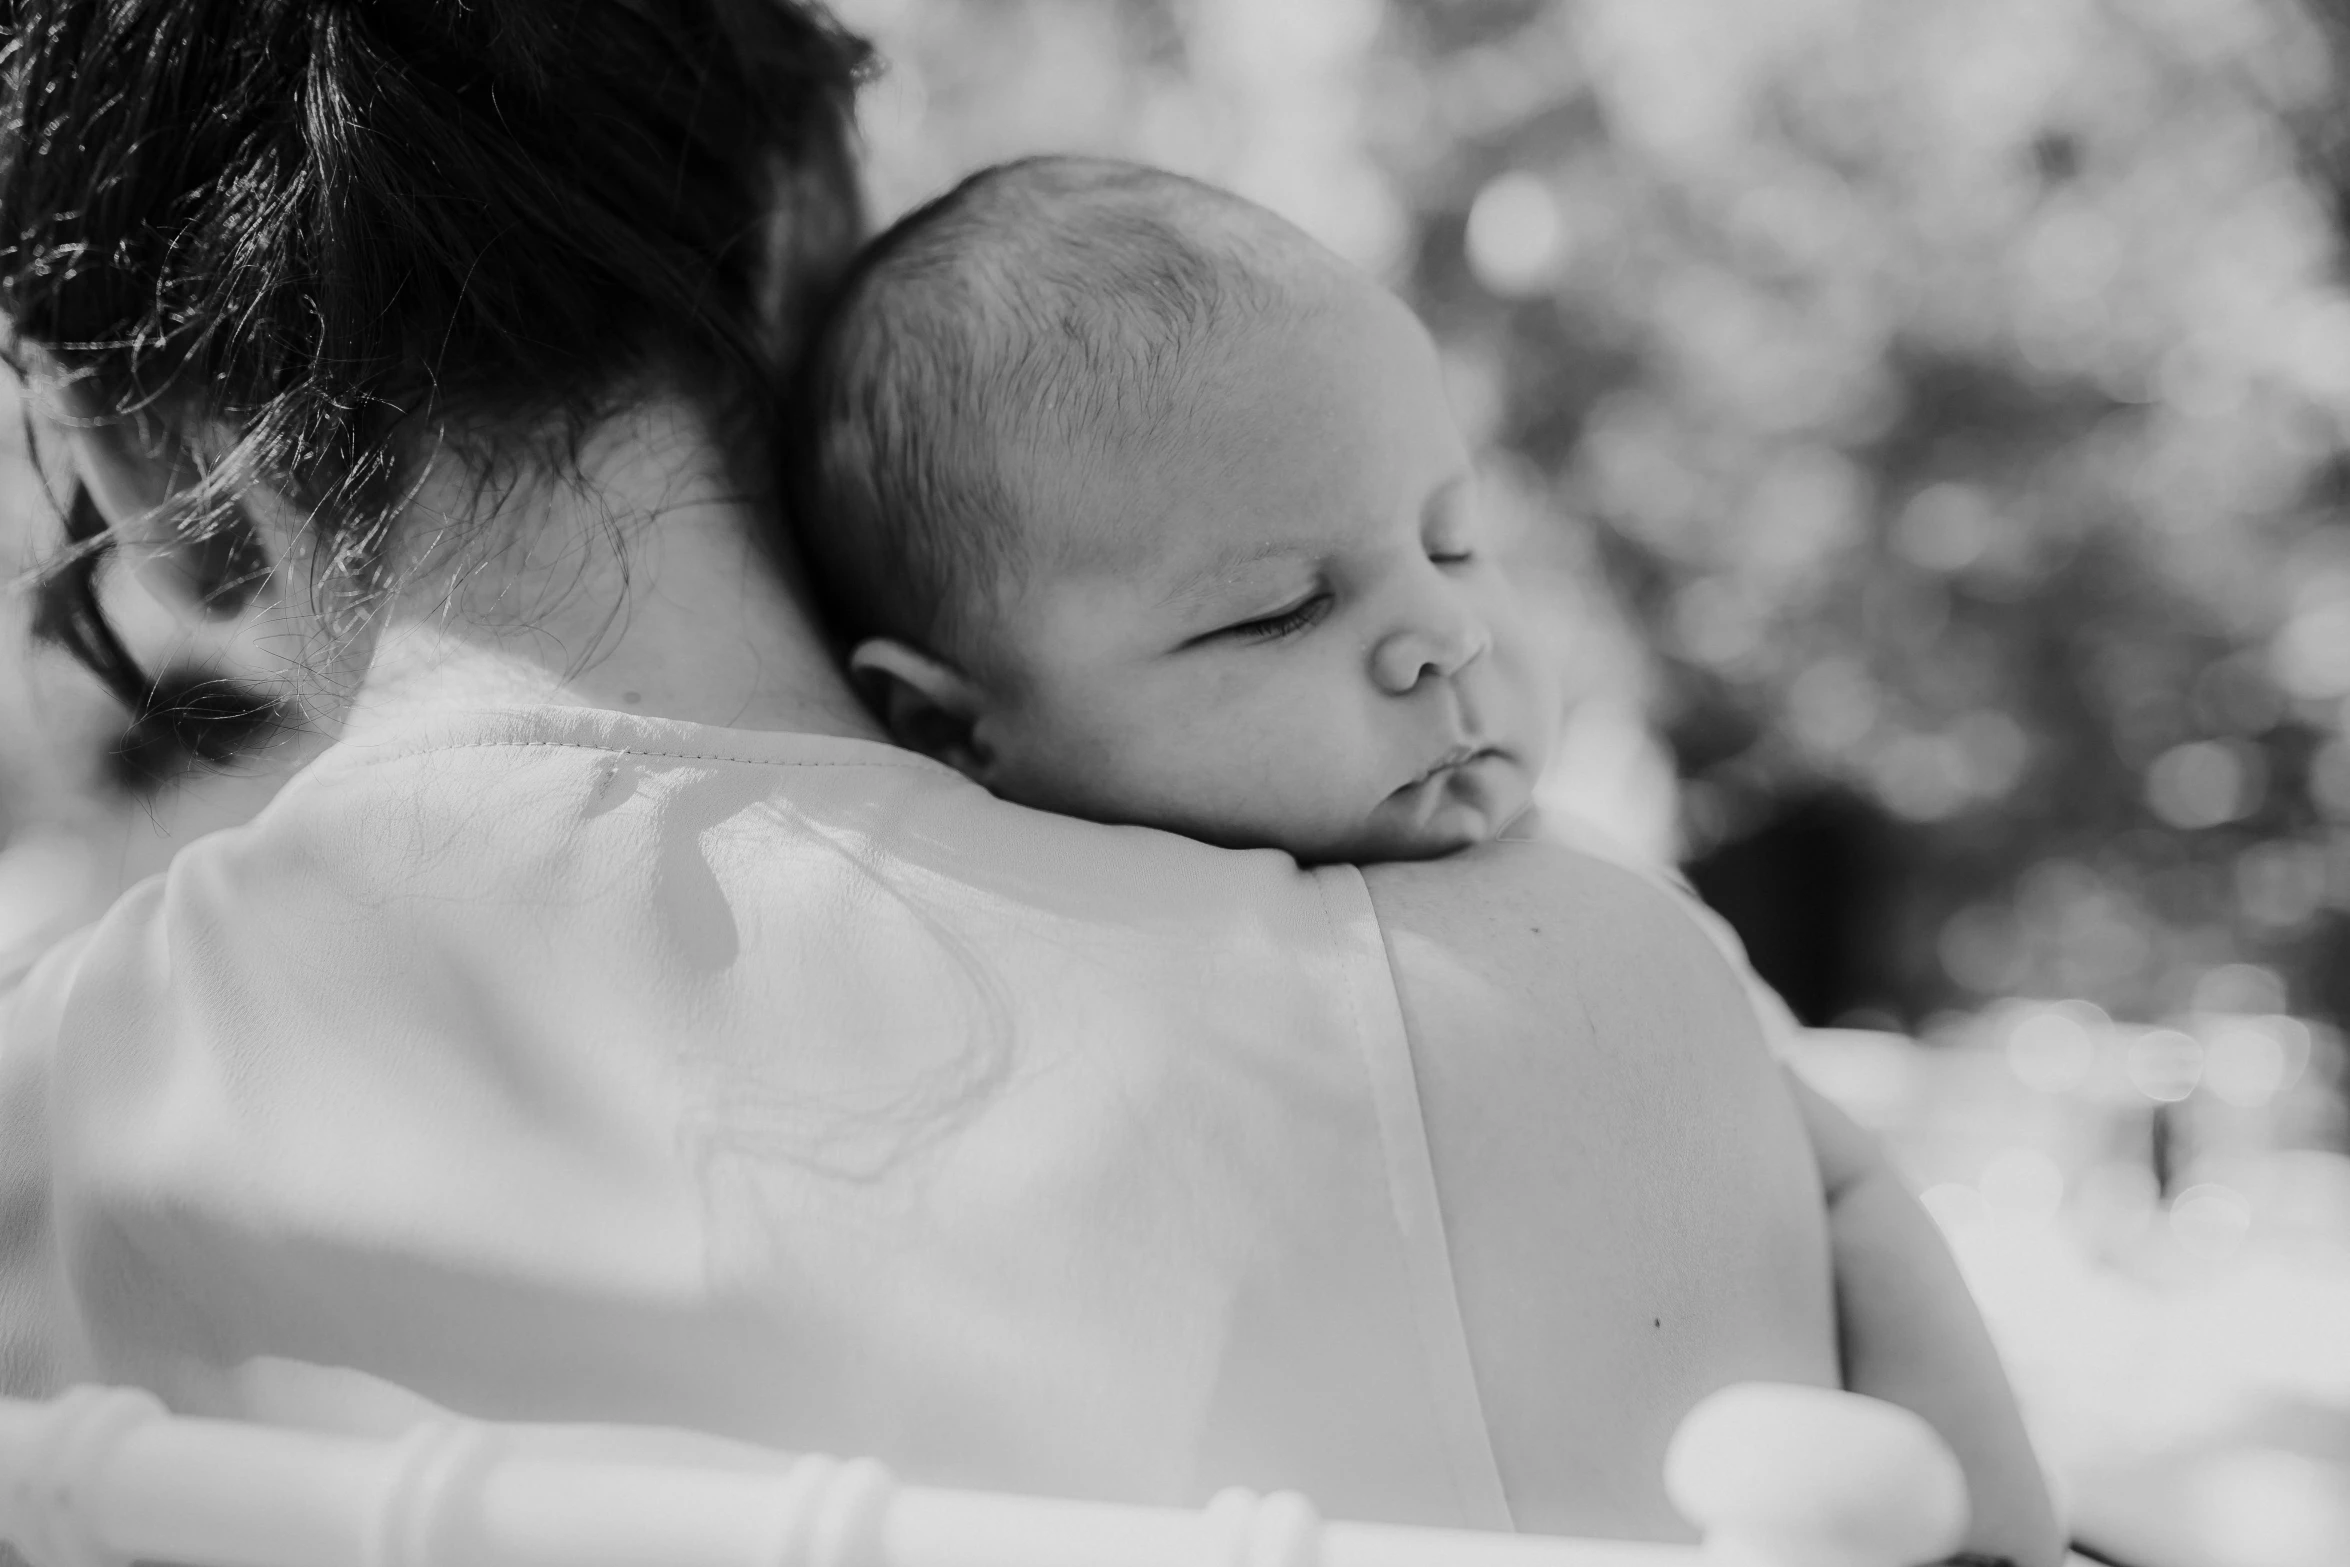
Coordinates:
<point>560,1065</point>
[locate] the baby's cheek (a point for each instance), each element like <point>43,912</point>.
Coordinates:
<point>1191,734</point>
<point>1528,662</point>
<point>1286,756</point>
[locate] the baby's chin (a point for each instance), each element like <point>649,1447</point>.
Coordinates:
<point>1451,810</point>
<point>1449,831</point>
<point>1455,810</point>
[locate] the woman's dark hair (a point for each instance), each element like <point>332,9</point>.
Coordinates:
<point>347,230</point>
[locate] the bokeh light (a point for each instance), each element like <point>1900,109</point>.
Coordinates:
<point>1516,237</point>
<point>2210,1220</point>
<point>2165,1064</point>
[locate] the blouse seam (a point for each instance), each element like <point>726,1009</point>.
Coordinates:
<point>432,749</point>
<point>1438,1322</point>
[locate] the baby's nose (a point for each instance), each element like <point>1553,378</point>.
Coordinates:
<point>1435,649</point>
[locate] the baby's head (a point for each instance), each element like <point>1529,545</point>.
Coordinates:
<point>1134,503</point>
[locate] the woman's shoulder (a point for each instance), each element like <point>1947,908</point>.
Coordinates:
<point>1540,984</point>
<point>1522,935</point>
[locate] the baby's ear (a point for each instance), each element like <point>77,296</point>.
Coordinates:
<point>927,704</point>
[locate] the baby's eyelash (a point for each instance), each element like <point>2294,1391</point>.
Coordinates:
<point>1459,557</point>
<point>1287,623</point>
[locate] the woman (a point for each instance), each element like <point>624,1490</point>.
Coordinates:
<point>611,1026</point>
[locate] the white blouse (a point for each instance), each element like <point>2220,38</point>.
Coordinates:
<point>559,1064</point>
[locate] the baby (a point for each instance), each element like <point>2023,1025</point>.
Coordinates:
<point>1140,506</point>
<point>1131,502</point>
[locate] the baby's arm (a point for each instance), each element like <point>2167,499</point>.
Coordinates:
<point>1909,1334</point>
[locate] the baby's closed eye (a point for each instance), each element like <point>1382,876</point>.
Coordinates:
<point>1281,623</point>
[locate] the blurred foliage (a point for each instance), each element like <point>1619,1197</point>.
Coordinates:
<point>1952,396</point>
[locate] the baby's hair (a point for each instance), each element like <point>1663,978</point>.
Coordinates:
<point>1044,309</point>
<point>359,233</point>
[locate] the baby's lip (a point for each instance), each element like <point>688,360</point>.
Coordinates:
<point>1458,756</point>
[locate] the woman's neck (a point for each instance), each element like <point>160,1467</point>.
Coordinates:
<point>641,585</point>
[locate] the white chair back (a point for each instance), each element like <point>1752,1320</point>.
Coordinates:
<point>103,1477</point>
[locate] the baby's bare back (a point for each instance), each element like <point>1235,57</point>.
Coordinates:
<point>1633,1208</point>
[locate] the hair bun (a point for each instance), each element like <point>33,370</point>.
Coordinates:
<point>331,223</point>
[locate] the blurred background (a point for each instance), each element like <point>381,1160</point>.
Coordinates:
<point>1926,424</point>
